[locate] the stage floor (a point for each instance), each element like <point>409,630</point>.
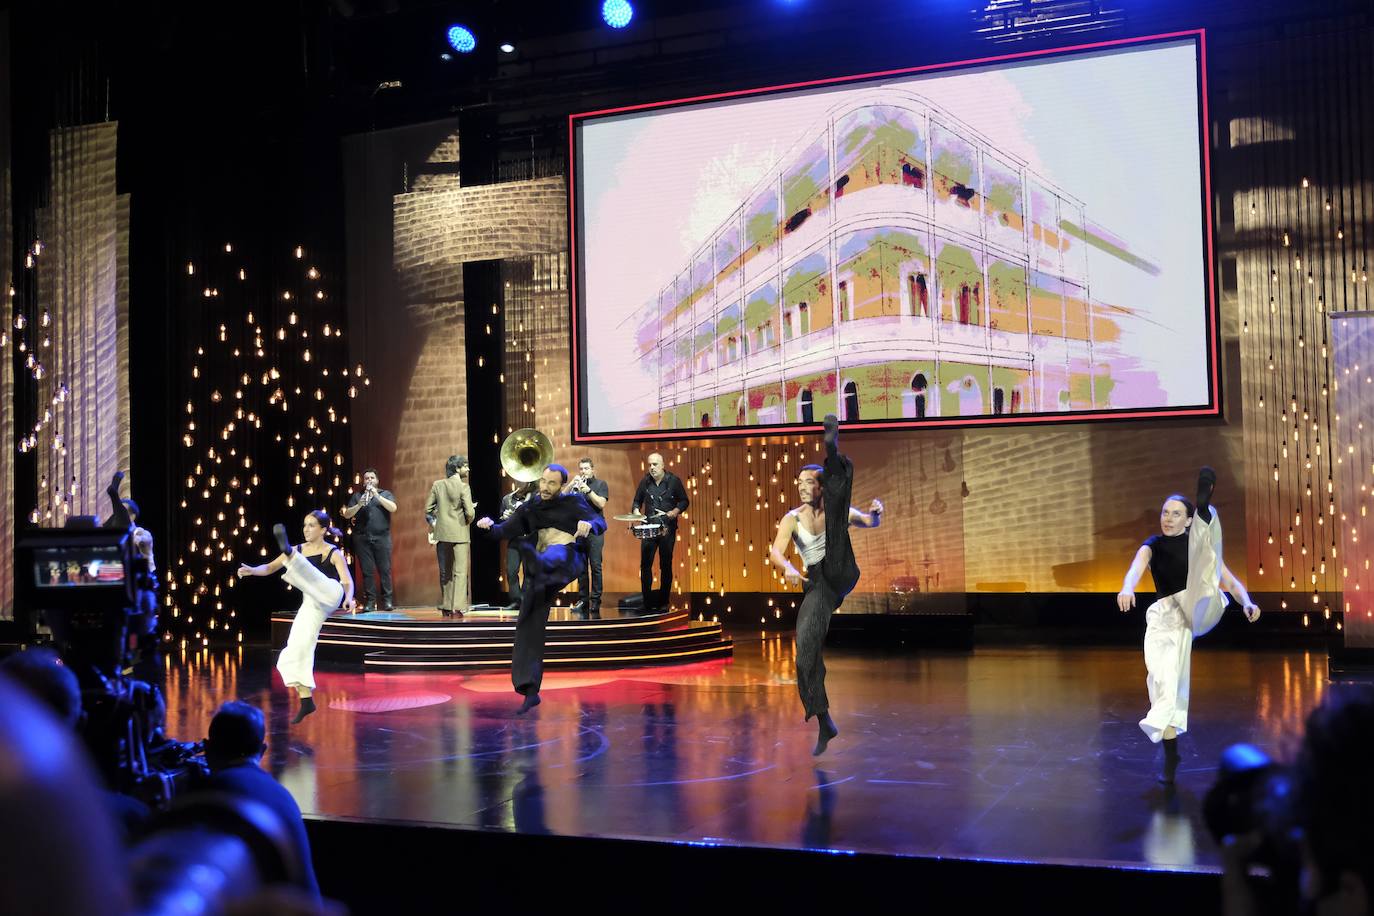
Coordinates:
<point>1010,754</point>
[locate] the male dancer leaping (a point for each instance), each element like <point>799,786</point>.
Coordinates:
<point>561,523</point>
<point>820,529</point>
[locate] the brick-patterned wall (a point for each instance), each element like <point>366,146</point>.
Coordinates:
<point>433,427</point>
<point>82,281</point>
<point>437,228</point>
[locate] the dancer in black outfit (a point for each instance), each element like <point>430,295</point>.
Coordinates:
<point>820,529</point>
<point>551,531</point>
<point>1190,575</point>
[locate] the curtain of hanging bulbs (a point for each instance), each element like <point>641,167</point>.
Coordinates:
<point>1301,142</point>
<point>265,411</point>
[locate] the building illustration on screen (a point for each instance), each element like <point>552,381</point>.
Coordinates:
<point>894,264</point>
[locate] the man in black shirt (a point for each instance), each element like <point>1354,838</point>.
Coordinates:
<point>558,523</point>
<point>597,493</point>
<point>660,497</point>
<point>232,749</point>
<point>370,511</point>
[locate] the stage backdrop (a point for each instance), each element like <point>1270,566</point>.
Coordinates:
<point>1050,509</point>
<point>1004,510</point>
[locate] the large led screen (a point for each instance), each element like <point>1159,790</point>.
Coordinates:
<point>1024,239</point>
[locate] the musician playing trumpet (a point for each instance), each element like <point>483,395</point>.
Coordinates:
<point>597,493</point>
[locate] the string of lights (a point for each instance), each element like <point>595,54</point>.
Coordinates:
<point>264,434</point>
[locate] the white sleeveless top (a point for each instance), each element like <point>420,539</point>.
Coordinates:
<point>810,546</point>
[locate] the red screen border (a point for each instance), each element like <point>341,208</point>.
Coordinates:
<point>1213,324</point>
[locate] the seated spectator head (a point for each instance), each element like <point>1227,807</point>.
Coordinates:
<point>236,736</point>
<point>42,673</point>
<point>1336,803</point>
<point>58,851</point>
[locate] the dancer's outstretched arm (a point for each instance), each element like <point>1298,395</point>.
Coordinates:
<point>1231,584</point>
<point>1125,599</point>
<point>777,554</point>
<point>266,569</point>
<point>345,579</point>
<point>870,519</point>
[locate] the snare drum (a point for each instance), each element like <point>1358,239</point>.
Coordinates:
<point>649,531</point>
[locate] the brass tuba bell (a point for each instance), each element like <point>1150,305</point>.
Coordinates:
<point>525,453</point>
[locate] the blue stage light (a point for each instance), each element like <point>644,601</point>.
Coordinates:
<point>617,13</point>
<point>461,39</point>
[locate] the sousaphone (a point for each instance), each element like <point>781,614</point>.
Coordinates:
<point>525,453</point>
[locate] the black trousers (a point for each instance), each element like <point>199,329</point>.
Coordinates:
<point>827,584</point>
<point>547,574</point>
<point>664,547</point>
<point>514,572</point>
<point>374,555</point>
<point>589,583</point>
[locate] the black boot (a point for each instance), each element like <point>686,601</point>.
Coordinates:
<point>307,706</point>
<point>826,730</point>
<point>832,433</point>
<point>279,533</point>
<point>1166,776</point>
<point>531,700</point>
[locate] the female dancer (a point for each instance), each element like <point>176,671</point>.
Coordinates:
<point>318,569</point>
<point>1185,560</point>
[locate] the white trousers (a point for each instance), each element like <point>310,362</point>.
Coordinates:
<point>1171,625</point>
<point>320,595</point>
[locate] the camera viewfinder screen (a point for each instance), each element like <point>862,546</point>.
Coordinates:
<point>78,567</point>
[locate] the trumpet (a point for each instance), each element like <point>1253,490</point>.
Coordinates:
<point>578,484</point>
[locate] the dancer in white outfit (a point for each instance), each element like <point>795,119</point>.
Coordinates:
<point>1190,576</point>
<point>318,569</point>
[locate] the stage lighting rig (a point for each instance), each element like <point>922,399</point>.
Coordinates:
<point>617,13</point>
<point>461,39</point>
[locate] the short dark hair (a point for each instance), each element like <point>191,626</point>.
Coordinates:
<point>586,460</point>
<point>237,730</point>
<point>42,673</point>
<point>1187,503</point>
<point>562,471</point>
<point>820,471</point>
<point>372,471</point>
<point>455,464</point>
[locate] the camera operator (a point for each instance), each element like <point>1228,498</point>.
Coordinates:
<point>1309,825</point>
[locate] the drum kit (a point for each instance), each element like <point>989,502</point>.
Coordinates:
<point>642,527</point>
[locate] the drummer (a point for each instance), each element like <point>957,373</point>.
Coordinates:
<point>661,498</point>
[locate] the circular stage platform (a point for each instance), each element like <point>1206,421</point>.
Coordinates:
<point>420,638</point>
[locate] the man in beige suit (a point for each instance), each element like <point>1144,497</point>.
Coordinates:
<point>450,511</point>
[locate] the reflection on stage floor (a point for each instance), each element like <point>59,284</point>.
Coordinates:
<point>1005,753</point>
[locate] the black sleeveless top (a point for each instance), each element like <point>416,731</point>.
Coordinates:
<point>1169,563</point>
<point>325,563</point>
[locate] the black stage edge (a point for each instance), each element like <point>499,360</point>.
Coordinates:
<point>529,871</point>
<point>959,620</point>
<point>485,334</point>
